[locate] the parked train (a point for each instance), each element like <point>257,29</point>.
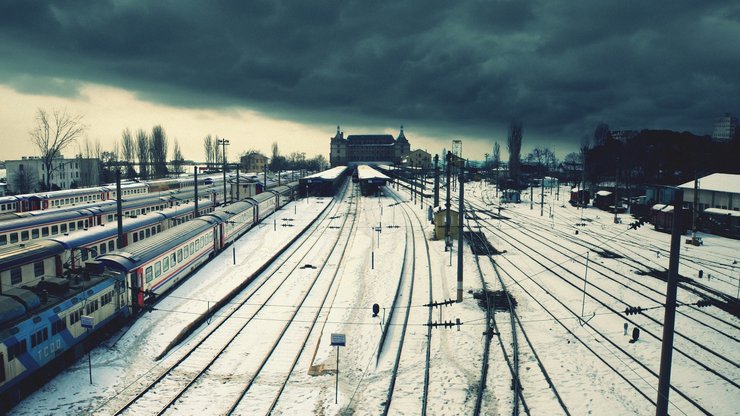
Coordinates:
<point>69,197</point>
<point>35,225</point>
<point>41,326</point>
<point>28,263</point>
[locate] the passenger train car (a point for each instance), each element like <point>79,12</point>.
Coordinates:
<point>96,194</point>
<point>28,263</point>
<point>40,325</point>
<point>32,226</point>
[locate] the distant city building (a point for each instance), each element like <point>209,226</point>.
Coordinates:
<point>725,128</point>
<point>363,148</point>
<point>418,158</point>
<point>624,135</point>
<point>253,162</point>
<point>28,174</point>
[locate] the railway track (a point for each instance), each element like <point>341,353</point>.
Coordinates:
<point>533,254</point>
<point>191,367</point>
<point>404,377</point>
<point>516,327</point>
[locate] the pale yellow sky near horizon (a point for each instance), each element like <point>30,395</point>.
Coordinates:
<point>107,111</point>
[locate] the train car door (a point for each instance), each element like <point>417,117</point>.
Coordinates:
<point>216,239</point>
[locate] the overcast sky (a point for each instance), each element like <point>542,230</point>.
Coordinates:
<point>263,71</point>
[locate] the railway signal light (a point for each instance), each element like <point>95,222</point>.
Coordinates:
<point>633,310</point>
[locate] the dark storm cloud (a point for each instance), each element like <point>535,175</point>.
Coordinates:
<point>561,67</point>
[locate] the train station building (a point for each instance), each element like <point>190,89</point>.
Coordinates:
<point>359,149</point>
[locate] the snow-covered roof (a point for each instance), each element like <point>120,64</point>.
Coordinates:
<point>721,182</point>
<point>365,172</point>
<point>330,174</point>
<point>603,193</point>
<point>720,211</point>
<point>663,207</point>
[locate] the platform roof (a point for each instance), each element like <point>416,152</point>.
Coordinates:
<point>328,175</point>
<point>719,182</point>
<point>365,172</point>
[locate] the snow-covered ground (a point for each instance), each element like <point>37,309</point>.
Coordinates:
<point>593,367</point>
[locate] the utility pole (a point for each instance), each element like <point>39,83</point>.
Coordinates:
<point>238,183</point>
<point>436,181</point>
<point>696,206</point>
<point>224,143</point>
<point>531,195</point>
<point>265,186</point>
<point>460,229</point>
<point>542,198</point>
<point>119,209</point>
<point>616,192</point>
<point>448,242</point>
<point>195,186</point>
<point>666,353</point>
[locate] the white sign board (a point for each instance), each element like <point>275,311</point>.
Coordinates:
<point>87,321</point>
<point>338,340</point>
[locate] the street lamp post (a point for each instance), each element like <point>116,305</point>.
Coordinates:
<point>224,143</point>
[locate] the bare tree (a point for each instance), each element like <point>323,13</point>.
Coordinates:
<point>496,155</point>
<point>514,143</point>
<point>128,152</point>
<point>158,151</point>
<point>177,158</point>
<point>53,133</point>
<point>601,133</point>
<point>23,180</point>
<point>208,150</point>
<point>142,153</point>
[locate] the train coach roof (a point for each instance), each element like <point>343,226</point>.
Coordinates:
<point>64,193</point>
<point>83,237</point>
<point>19,254</point>
<point>134,255</point>
<point>259,198</point>
<point>366,172</point>
<point>328,175</point>
<point>38,220</point>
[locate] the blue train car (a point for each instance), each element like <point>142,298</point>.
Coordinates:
<point>48,333</point>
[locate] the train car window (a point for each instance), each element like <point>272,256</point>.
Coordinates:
<point>197,244</point>
<point>157,269</point>
<point>187,252</point>
<point>16,276</point>
<point>85,255</point>
<point>166,264</point>
<point>179,255</point>
<point>80,224</point>
<point>54,229</point>
<point>192,246</point>
<point>24,235</point>
<point>3,240</point>
<point>148,274</point>
<point>72,226</point>
<point>13,238</point>
<point>103,248</point>
<point>17,349</point>
<point>111,245</point>
<point>58,326</point>
<point>63,228</point>
<point>38,269</point>
<point>141,235</point>
<point>148,233</point>
<point>35,233</point>
<point>136,237</point>
<point>172,260</point>
<point>159,228</point>
<point>87,223</point>
<point>66,201</point>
